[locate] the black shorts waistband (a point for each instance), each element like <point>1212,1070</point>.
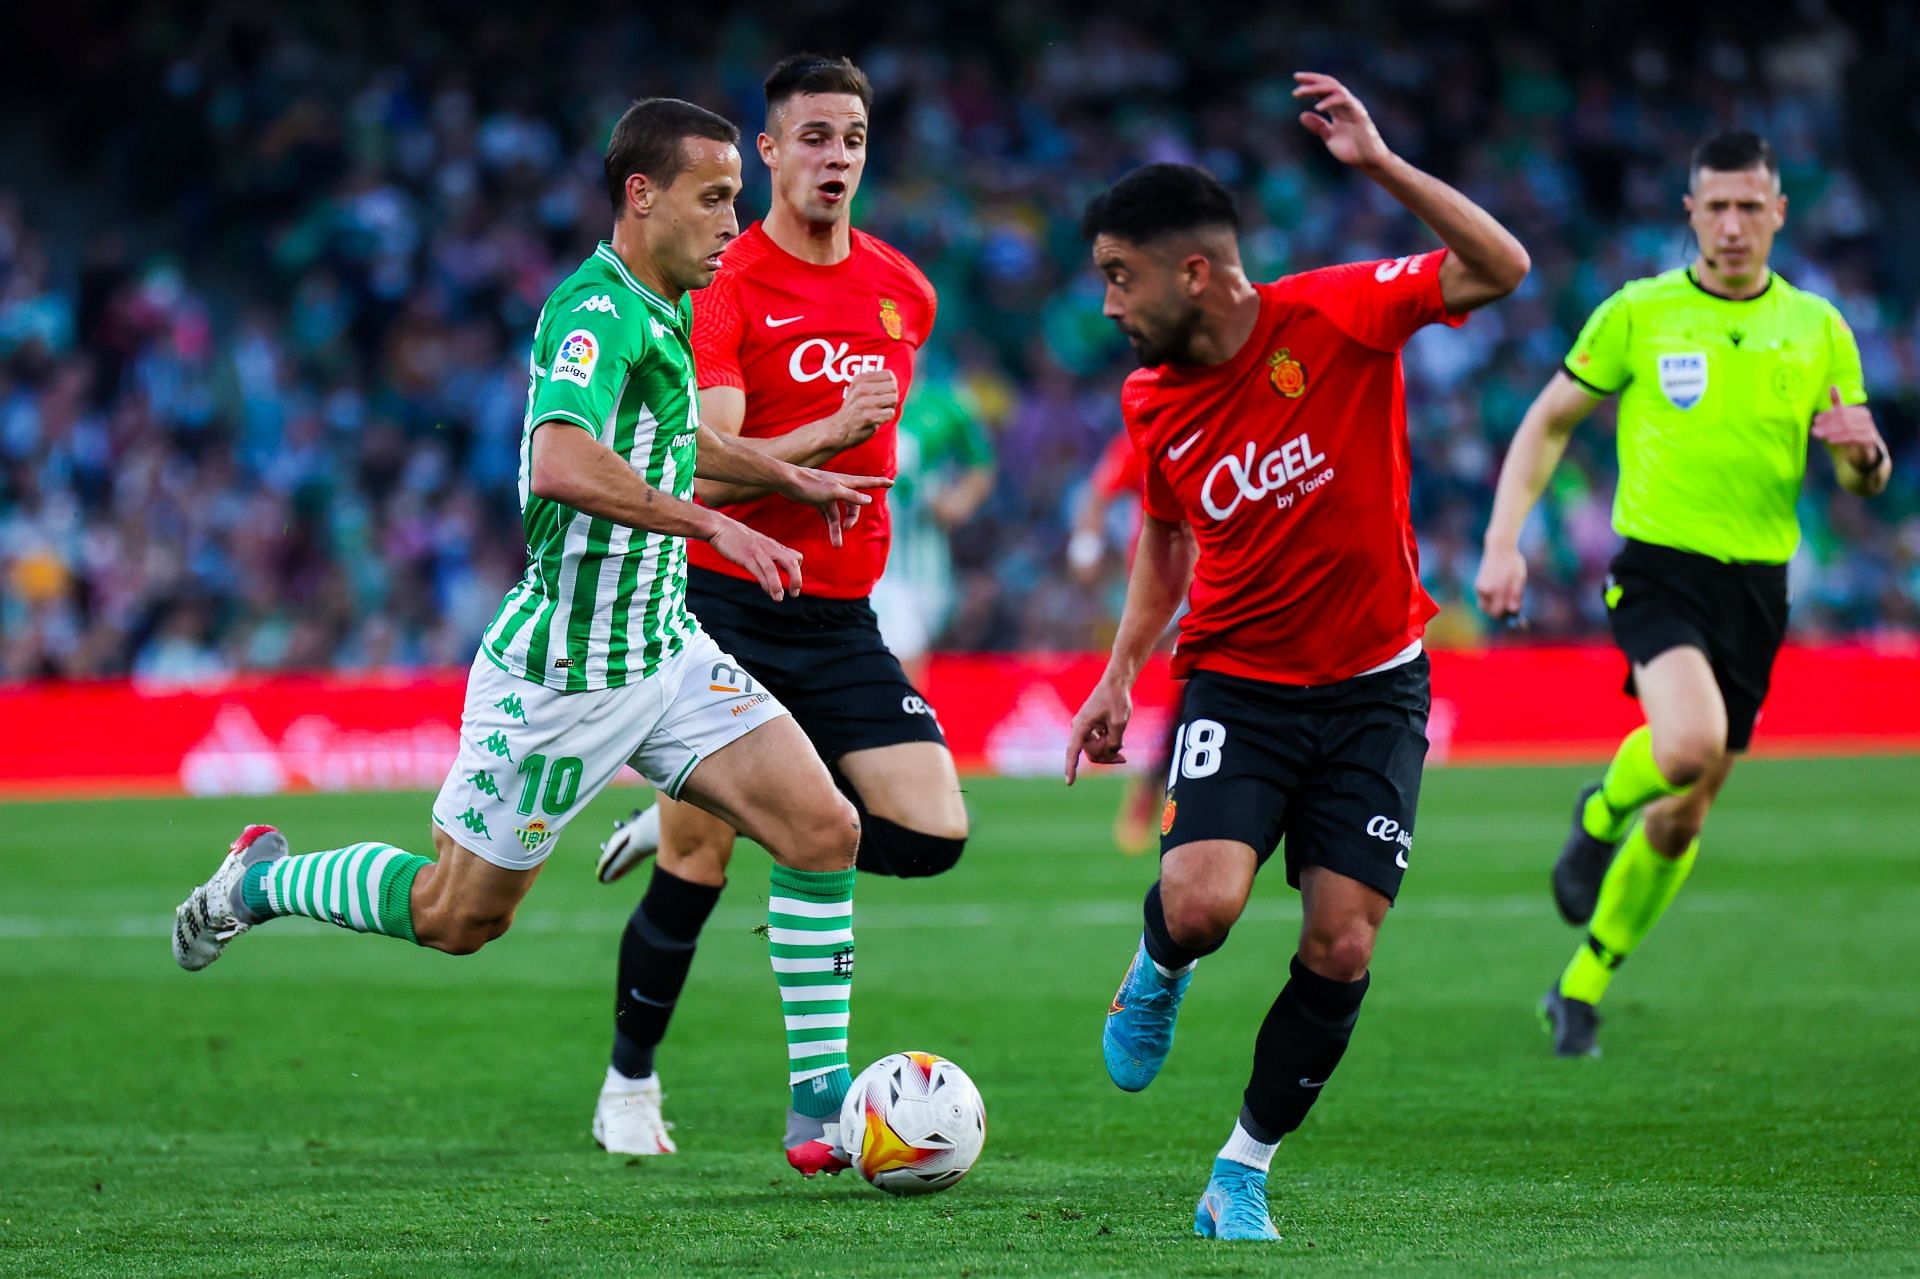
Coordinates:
<point>741,593</point>
<point>1656,557</point>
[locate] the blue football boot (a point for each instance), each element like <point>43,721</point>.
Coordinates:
<point>1234,1205</point>
<point>1139,1030</point>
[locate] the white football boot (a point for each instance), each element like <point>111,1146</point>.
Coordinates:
<point>213,913</point>
<point>627,1119</point>
<point>634,839</point>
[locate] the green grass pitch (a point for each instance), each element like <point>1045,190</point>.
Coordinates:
<point>320,1103</point>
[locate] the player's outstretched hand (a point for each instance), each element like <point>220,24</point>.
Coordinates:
<point>1848,426</point>
<point>837,497</point>
<point>1501,583</point>
<point>774,565</point>
<point>1100,729</point>
<point>1340,120</point>
<point>873,397</point>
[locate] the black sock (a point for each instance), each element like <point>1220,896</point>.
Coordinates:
<point>1301,1041</point>
<point>655,953</point>
<point>1162,949</point>
<point>888,848</point>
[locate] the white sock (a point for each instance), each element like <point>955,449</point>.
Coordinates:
<point>1171,975</point>
<point>1243,1149</point>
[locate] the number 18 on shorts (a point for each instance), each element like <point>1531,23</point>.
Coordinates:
<point>1332,773</point>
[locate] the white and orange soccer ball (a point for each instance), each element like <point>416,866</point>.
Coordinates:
<point>913,1123</point>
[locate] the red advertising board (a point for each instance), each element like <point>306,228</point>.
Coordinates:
<point>1003,714</point>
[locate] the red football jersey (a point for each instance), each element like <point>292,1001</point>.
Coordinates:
<point>1118,469</point>
<point>1290,462</point>
<point>792,334</point>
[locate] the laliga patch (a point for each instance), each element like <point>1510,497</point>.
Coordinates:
<point>578,354</point>
<point>1683,379</point>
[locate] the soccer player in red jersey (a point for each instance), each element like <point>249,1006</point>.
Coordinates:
<point>804,348</point>
<point>1272,420</point>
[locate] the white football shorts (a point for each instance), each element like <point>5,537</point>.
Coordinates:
<point>531,757</point>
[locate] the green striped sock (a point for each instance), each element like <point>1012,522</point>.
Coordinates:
<point>365,887</point>
<point>810,941</point>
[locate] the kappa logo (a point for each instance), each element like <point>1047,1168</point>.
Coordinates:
<point>1683,378</point>
<point>599,302</point>
<point>579,352</point>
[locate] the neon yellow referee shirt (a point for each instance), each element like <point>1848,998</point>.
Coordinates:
<point>1716,398</point>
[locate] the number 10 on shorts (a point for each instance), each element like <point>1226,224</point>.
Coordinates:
<point>563,784</point>
<point>1196,750</point>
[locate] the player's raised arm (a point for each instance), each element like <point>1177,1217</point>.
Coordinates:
<point>837,497</point>
<point>1162,571</point>
<point>873,397</point>
<point>1485,262</point>
<point>573,468</point>
<point>1531,458</point>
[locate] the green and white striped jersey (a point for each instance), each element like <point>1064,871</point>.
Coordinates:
<point>602,604</point>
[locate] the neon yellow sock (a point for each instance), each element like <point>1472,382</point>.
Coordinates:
<point>1639,887</point>
<point>1632,779</point>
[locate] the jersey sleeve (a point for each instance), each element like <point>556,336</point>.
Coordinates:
<point>580,360</point>
<point>1380,304</point>
<point>717,331</point>
<point>1598,360</point>
<point>1843,362</point>
<point>1118,471</point>
<point>1157,497</point>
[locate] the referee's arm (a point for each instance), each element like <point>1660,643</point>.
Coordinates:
<point>1861,462</point>
<point>1531,458</point>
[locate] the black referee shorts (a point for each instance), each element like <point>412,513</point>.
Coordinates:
<point>1331,772</point>
<point>1659,598</point>
<point>824,659</point>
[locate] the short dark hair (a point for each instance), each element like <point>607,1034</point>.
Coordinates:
<point>1734,151</point>
<point>1157,200</point>
<point>647,140</point>
<point>815,73</point>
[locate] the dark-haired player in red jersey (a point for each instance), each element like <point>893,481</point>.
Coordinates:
<point>1272,420</point>
<point>804,347</point>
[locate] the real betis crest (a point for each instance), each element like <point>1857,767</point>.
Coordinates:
<point>1288,375</point>
<point>890,318</point>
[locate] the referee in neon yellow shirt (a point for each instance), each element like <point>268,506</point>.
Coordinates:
<point>1723,370</point>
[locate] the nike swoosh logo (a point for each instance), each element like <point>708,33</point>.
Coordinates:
<point>638,998</point>
<point>781,324</point>
<point>1179,450</point>
<point>1311,1083</point>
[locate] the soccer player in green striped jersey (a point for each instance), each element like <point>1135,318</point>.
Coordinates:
<point>1723,370</point>
<point>593,661</point>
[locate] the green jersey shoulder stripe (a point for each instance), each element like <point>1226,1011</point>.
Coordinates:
<point>611,357</point>
<point>1716,398</point>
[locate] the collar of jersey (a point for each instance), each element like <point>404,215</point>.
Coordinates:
<point>1694,280</point>
<point>605,252</point>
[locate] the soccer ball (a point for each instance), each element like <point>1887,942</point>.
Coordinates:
<point>913,1123</point>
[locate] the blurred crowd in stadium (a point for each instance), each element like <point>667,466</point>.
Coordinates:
<point>263,339</point>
